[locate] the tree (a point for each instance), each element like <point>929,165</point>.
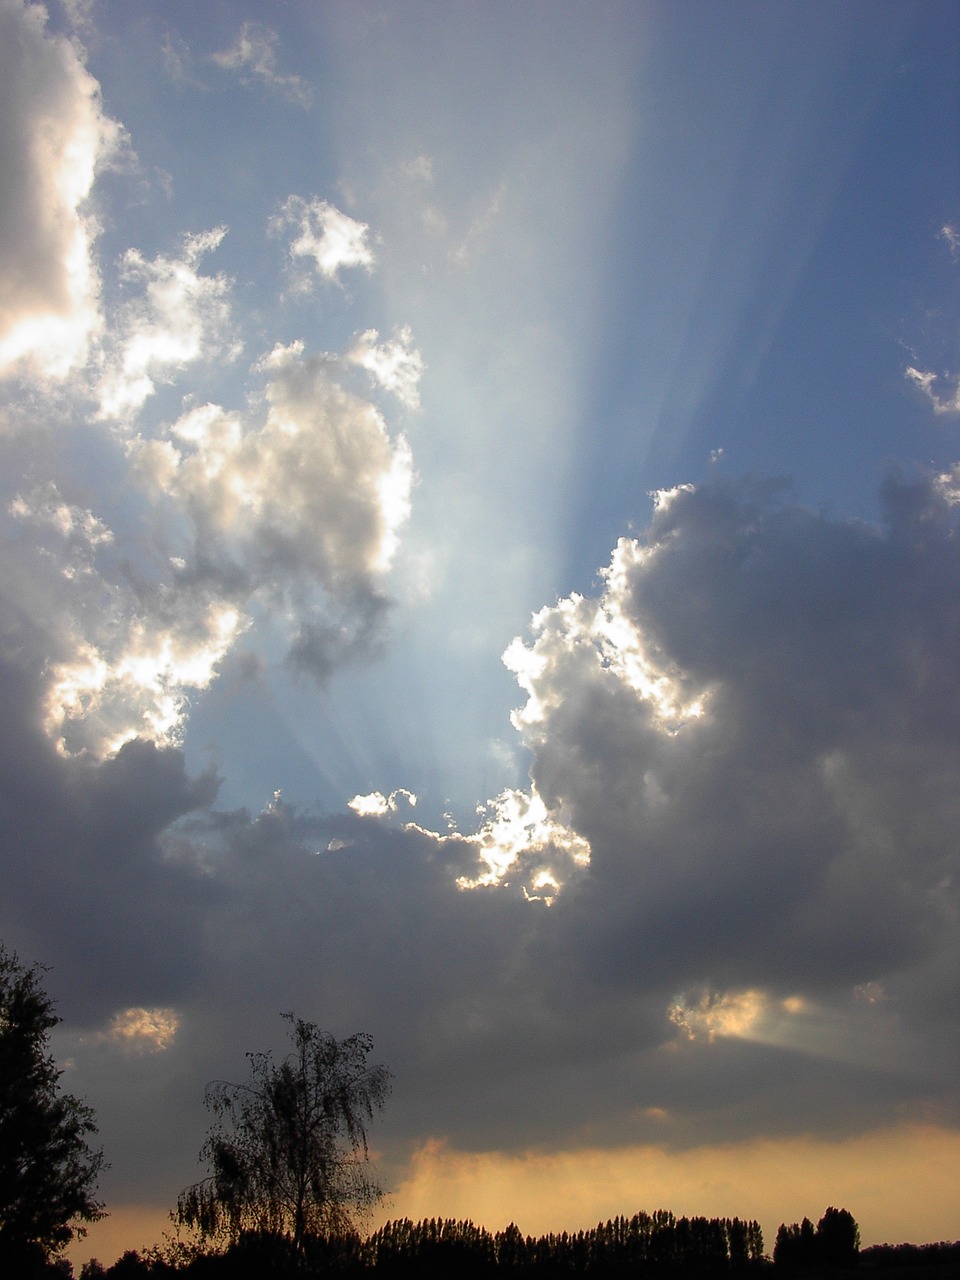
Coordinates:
<point>838,1238</point>
<point>48,1173</point>
<point>835,1243</point>
<point>288,1150</point>
<point>796,1246</point>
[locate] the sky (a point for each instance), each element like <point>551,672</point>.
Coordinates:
<point>480,566</point>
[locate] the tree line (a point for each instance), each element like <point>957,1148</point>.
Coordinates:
<point>620,1246</point>
<point>436,1248</point>
<point>657,1245</point>
<point>289,1175</point>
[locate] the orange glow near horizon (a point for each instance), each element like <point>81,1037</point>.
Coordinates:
<point>900,1185</point>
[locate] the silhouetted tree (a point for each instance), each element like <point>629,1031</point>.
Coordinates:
<point>288,1150</point>
<point>834,1243</point>
<point>511,1249</point>
<point>838,1238</point>
<point>48,1173</point>
<point>796,1245</point>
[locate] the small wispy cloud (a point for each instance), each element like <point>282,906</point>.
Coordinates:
<point>951,235</point>
<point>329,239</point>
<point>929,384</point>
<point>395,365</point>
<point>253,55</point>
<point>178,62</point>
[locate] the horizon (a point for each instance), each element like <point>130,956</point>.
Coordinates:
<point>479,563</point>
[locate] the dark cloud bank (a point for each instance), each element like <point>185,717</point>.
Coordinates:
<point>765,940</point>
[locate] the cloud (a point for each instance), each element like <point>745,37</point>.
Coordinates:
<point>54,138</point>
<point>724,904</point>
<point>144,1030</point>
<point>330,239</point>
<point>106,694</point>
<point>941,388</point>
<point>884,1177</point>
<point>951,235</point>
<point>113,668</point>
<point>519,842</point>
<point>78,532</point>
<point>305,508</point>
<point>78,13</point>
<point>253,54</point>
<point>138,581</point>
<point>748,728</point>
<point>376,804</point>
<point>120,650</point>
<point>180,317</point>
<point>739,876</point>
<point>90,890</point>
<point>742,813</point>
<point>928,383</point>
<point>735,1013</point>
<point>298,503</point>
<point>318,491</point>
<point>396,365</point>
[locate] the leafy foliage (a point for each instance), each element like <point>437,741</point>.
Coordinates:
<point>288,1150</point>
<point>48,1173</point>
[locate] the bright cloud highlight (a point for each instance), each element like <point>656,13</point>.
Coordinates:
<point>180,317</point>
<point>54,138</point>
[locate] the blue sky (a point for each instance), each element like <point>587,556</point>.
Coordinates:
<point>552,416</point>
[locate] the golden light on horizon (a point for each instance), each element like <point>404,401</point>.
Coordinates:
<point>900,1185</point>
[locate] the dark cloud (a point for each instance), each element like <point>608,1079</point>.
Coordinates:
<point>764,942</point>
<point>801,831</point>
<point>89,888</point>
<point>325,643</point>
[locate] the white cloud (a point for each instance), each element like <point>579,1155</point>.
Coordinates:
<point>303,510</point>
<point>602,638</point>
<point>54,136</point>
<point>254,52</point>
<point>951,235</point>
<point>134,681</point>
<point>180,317</point>
<point>941,389</point>
<point>331,240</point>
<point>396,365</point>
<point>929,383</point>
<point>78,13</point>
<point>520,842</point>
<point>319,491</point>
<point>77,532</point>
<point>121,654</point>
<point>377,805</point>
